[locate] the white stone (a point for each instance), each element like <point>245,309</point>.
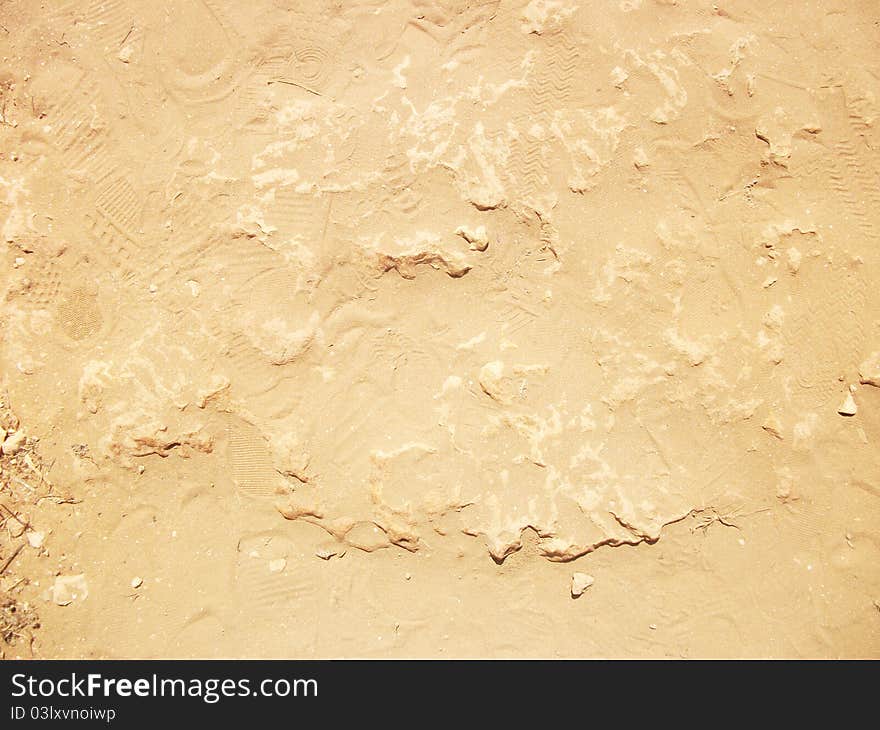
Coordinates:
<point>13,443</point>
<point>477,238</point>
<point>869,370</point>
<point>579,583</point>
<point>848,407</point>
<point>69,588</point>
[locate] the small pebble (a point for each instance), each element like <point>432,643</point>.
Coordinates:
<point>327,552</point>
<point>848,407</point>
<point>869,370</point>
<point>13,443</point>
<point>579,583</point>
<point>773,426</point>
<point>478,239</point>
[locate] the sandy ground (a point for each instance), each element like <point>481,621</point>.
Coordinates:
<point>440,328</point>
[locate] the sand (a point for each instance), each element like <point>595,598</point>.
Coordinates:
<point>442,329</point>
